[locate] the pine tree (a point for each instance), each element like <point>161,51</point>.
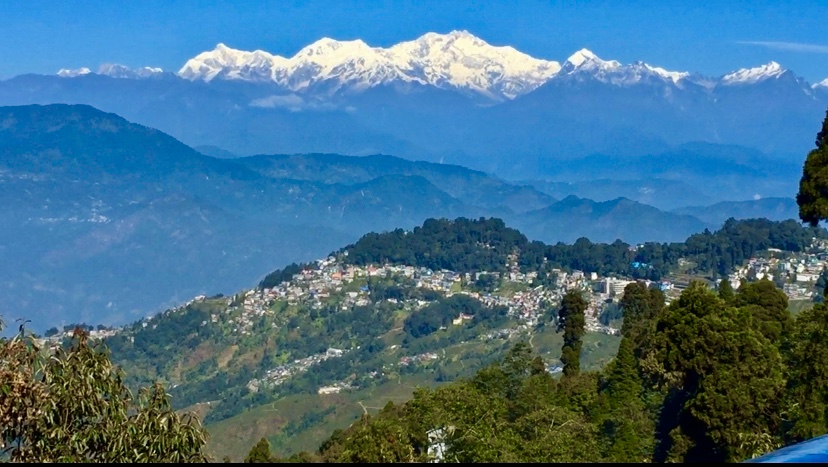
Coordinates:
<point>622,382</point>
<point>627,425</point>
<point>813,204</point>
<point>572,321</point>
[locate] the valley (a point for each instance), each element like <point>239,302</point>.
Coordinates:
<point>109,220</point>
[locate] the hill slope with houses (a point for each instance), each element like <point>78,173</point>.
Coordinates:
<point>403,309</point>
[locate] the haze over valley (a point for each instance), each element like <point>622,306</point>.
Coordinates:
<point>413,232</point>
<point>110,220</point>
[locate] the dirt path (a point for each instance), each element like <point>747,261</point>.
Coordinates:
<point>531,336</point>
<point>366,407</point>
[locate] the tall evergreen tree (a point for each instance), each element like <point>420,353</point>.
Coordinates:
<point>572,321</point>
<point>626,424</point>
<point>726,290</point>
<point>622,382</point>
<point>708,350</point>
<point>640,306</point>
<point>813,187</point>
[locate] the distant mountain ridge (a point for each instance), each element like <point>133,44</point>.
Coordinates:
<point>775,209</point>
<point>105,220</point>
<point>445,98</point>
<point>457,61</point>
<point>608,221</point>
<point>470,186</point>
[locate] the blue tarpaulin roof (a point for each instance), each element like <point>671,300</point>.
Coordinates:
<point>812,450</point>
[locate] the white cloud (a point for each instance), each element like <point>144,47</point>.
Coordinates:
<point>291,102</point>
<point>789,46</point>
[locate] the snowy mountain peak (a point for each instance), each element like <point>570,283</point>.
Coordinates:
<point>674,76</point>
<point>581,56</point>
<point>231,63</point>
<point>114,70</point>
<point>585,60</point>
<point>463,61</point>
<point>67,73</point>
<point>327,45</point>
<point>461,33</point>
<point>584,64</point>
<point>457,60</point>
<point>753,75</point>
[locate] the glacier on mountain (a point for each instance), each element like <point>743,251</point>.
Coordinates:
<point>457,60</point>
<point>753,75</point>
<point>67,73</point>
<point>114,70</point>
<point>585,64</point>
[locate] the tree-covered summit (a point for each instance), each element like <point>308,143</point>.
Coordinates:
<point>473,245</point>
<point>461,245</point>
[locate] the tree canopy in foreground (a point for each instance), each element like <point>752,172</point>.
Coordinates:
<point>71,405</point>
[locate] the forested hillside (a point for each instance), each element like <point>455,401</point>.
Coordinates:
<point>710,378</point>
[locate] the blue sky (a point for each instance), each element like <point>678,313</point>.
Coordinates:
<point>44,36</point>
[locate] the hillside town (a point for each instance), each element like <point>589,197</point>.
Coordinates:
<point>332,279</point>
<point>795,273</point>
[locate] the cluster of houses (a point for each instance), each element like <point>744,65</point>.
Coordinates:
<point>330,281</point>
<point>315,285</point>
<point>335,388</point>
<point>797,273</point>
<point>424,357</point>
<point>282,373</point>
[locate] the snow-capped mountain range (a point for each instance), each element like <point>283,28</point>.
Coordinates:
<point>113,70</point>
<point>455,61</point>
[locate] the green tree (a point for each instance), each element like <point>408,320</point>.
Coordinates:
<point>726,290</point>
<point>807,395</point>
<point>259,453</point>
<point>768,308</point>
<point>640,307</point>
<point>556,434</point>
<point>626,424</point>
<point>59,405</point>
<point>708,352</point>
<point>388,437</point>
<point>572,321</point>
<point>813,186</point>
